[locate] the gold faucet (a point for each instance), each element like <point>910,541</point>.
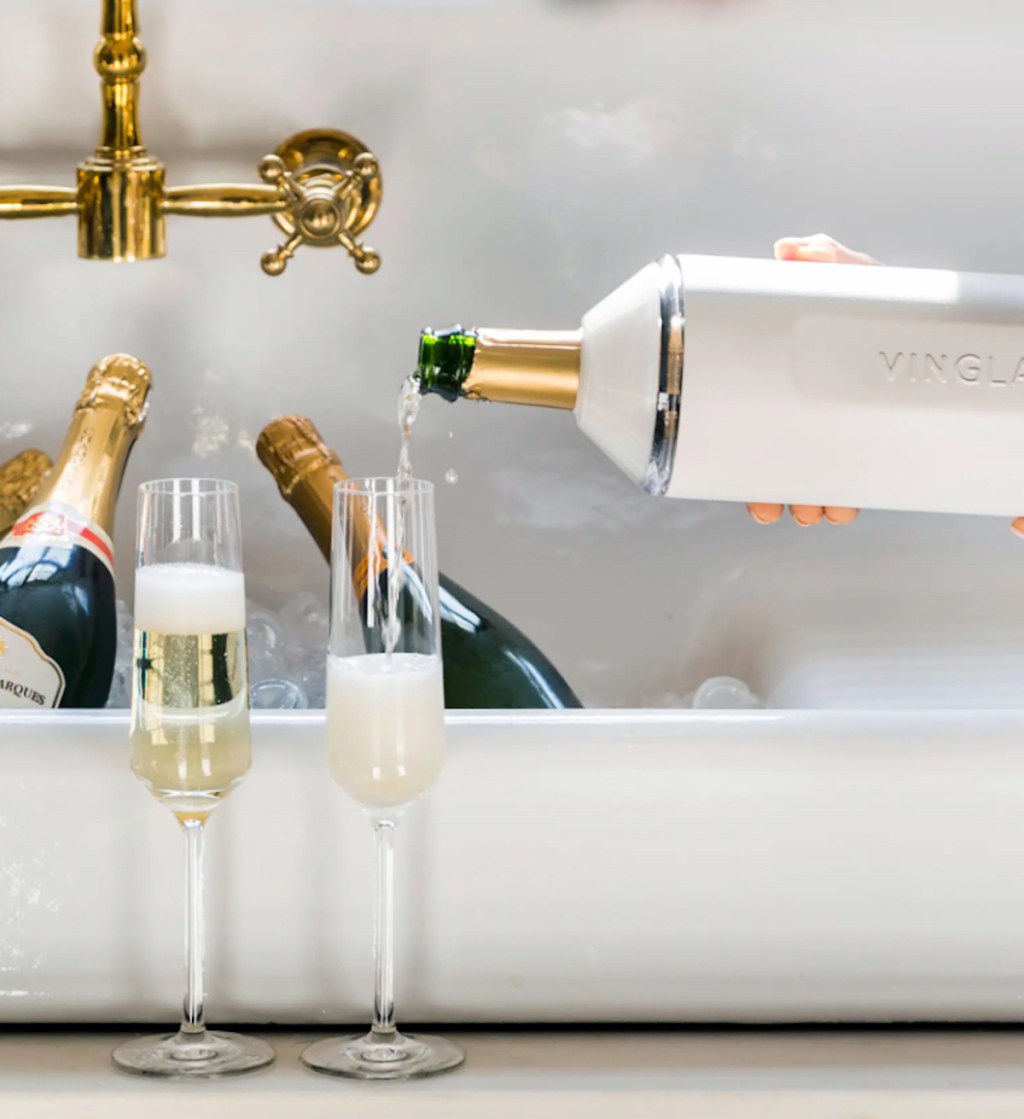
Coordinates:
<point>322,187</point>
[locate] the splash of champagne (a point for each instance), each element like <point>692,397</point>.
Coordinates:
<point>408,409</point>
<point>409,398</point>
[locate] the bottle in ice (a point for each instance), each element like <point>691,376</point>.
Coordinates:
<point>780,382</point>
<point>58,623</point>
<point>20,478</point>
<point>487,661</point>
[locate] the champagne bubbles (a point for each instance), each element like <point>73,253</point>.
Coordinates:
<point>287,650</point>
<point>451,475</point>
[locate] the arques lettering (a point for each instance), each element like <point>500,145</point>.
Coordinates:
<point>23,692</point>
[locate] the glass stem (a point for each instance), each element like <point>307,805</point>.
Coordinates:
<point>384,928</point>
<point>193,1019</point>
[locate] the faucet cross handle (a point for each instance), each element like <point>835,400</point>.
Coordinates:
<point>330,185</point>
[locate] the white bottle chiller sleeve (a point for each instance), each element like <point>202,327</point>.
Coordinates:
<point>616,405</point>
<point>818,384</point>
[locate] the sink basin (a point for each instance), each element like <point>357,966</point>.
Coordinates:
<point>591,866</point>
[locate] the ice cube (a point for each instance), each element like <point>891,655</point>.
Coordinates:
<point>265,641</point>
<point>725,693</point>
<point>120,687</point>
<point>304,621</point>
<point>277,694</point>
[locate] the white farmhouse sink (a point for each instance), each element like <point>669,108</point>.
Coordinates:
<point>583,866</point>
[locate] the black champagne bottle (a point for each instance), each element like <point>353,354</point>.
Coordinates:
<point>58,631</point>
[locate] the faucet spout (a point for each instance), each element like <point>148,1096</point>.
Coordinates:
<point>322,187</point>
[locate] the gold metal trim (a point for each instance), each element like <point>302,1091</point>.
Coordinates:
<point>674,378</point>
<point>37,202</point>
<point>223,200</point>
<point>323,187</point>
<point>334,185</point>
<point>326,151</point>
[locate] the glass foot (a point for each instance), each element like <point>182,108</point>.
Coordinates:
<point>383,1056</point>
<point>193,1056</point>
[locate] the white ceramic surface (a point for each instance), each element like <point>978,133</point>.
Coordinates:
<point>642,866</point>
<point>535,155</point>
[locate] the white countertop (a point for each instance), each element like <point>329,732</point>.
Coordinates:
<point>761,1074</point>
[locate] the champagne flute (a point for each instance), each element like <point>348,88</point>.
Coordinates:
<point>385,725</point>
<point>191,742</point>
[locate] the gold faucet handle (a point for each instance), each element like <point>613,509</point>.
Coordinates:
<point>331,186</point>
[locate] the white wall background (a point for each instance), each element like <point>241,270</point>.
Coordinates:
<point>535,154</point>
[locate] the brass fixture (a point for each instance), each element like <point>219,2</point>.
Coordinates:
<point>322,187</point>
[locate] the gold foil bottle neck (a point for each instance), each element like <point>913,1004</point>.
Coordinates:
<point>120,380</point>
<point>20,478</point>
<point>306,470</point>
<point>538,367</point>
<point>290,447</point>
<point>106,422</point>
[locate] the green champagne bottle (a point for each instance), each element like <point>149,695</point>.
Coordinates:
<point>58,618</point>
<point>487,661</point>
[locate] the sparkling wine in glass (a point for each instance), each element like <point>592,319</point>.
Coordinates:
<point>385,725</point>
<point>190,737</point>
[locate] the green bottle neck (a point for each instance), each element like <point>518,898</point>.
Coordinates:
<point>445,361</point>
<point>541,368</point>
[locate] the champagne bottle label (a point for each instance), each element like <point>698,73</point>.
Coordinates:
<point>56,526</point>
<point>28,677</point>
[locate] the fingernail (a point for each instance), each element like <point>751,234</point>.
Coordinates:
<point>764,512</point>
<point>806,515</point>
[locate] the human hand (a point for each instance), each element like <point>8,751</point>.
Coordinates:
<point>825,250</point>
